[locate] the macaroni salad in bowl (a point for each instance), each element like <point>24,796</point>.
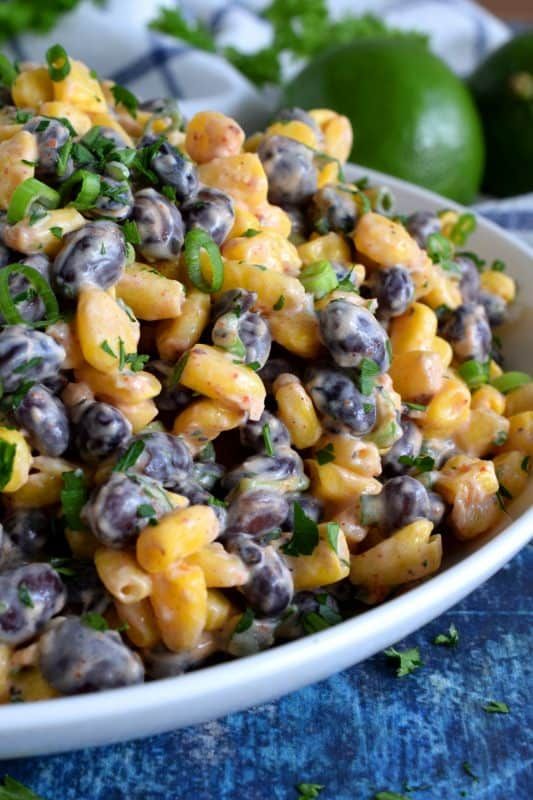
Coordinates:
<point>242,398</point>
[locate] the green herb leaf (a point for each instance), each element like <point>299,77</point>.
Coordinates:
<point>474,373</point>
<point>245,622</point>
<point>525,464</point>
<point>175,375</point>
<point>332,532</point>
<point>106,347</point>
<point>450,639</point>
<point>500,438</point>
<point>280,302</point>
<point>145,510</point>
<point>131,232</point>
<point>368,372</point>
<point>7,457</point>
<point>254,366</point>
<point>250,233</point>
<point>390,796</point>
<point>326,455</point>
<point>14,790</point>
<point>25,596</point>
<point>496,707</point>
<point>124,97</point>
<point>423,463</point>
<point>308,791</point>
<point>130,457</point>
<point>408,660</point>
<point>94,621</point>
<point>8,73</point>
<point>33,362</point>
<point>267,440</point>
<point>56,231</point>
<point>74,495</point>
<point>465,225</point>
<point>469,771</point>
<point>415,406</point>
<point>305,534</point>
<point>498,265</point>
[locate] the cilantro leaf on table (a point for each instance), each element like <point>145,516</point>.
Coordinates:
<point>407,660</point>
<point>496,707</point>
<point>449,639</point>
<point>14,790</point>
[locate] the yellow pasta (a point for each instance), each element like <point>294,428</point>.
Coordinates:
<point>140,622</point>
<point>210,135</point>
<point>328,563</point>
<point>296,410</point>
<point>414,330</point>
<point>104,329</point>
<point>179,601</point>
<point>267,248</point>
<point>297,332</point>
<point>149,294</point>
<point>176,536</point>
<point>174,337</point>
<point>121,575</point>
<point>417,375</point>
<point>204,420</point>
<point>269,285</point>
<point>221,569</point>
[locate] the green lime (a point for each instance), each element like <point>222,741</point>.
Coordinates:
<point>503,89</point>
<point>412,116</point>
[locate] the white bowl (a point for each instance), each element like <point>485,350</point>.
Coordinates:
<point>111,716</point>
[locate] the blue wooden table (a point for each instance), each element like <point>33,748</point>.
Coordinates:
<point>357,733</point>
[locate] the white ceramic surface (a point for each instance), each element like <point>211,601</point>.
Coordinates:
<point>129,713</point>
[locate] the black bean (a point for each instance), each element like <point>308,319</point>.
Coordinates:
<point>246,336</point>
<point>351,333</point>
<point>299,224</point>
<point>160,226</point>
<point>210,210</point>
<point>336,396</point>
<point>256,638</point>
<point>207,474</point>
<point>85,590</point>
<point>45,419</point>
<point>299,115</point>
<point>163,663</point>
<point>29,530</point>
<point>172,397</point>
<point>115,200</point>
<point>28,302</point>
<point>275,367</point>
<point>409,445</point>
<point>311,506</point>
<point>165,458</point>
<point>30,595</point>
<point>331,209</point>
<point>421,225</point>
<point>237,301</point>
<point>27,355</point>
<point>100,430</point>
<point>495,307</point>
<point>404,500</point>
<point>293,623</point>
<point>269,588</point>
<point>173,168</point>
<point>292,176</point>
<point>469,283</point>
<point>468,331</point>
<point>74,658</point>
<point>285,466</point>
<point>257,511</point>
<point>112,512</point>
<point>51,135</point>
<point>394,290</point>
<point>94,255</point>
<point>251,433</point>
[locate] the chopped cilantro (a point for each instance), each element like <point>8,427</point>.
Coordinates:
<point>280,302</point>
<point>498,265</point>
<point>146,511</point>
<point>525,464</point>
<point>267,440</point>
<point>308,791</point>
<point>423,463</point>
<point>469,771</point>
<point>415,406</point>
<point>326,454</point>
<point>450,639</point>
<point>131,232</point>
<point>14,790</point>
<point>56,231</point>
<point>25,596</point>
<point>33,362</point>
<point>94,621</point>
<point>7,457</point>
<point>124,97</point>
<point>73,497</point>
<point>332,532</point>
<point>500,438</point>
<point>130,457</point>
<point>496,707</point>
<point>177,372</point>
<point>245,622</point>
<point>169,192</point>
<point>390,796</point>
<point>407,660</point>
<point>368,371</point>
<point>254,366</point>
<point>250,233</point>
<point>106,347</point>
<point>305,534</point>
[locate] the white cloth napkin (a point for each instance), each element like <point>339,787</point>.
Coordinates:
<point>115,40</point>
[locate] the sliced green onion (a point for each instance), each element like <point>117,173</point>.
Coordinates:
<point>8,73</point>
<point>318,278</point>
<point>197,240</point>
<point>26,194</point>
<point>465,225</point>
<point>41,286</point>
<point>58,62</point>
<point>88,192</point>
<point>439,247</point>
<point>474,373</point>
<point>510,380</point>
<point>381,199</point>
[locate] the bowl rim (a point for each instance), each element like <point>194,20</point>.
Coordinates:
<point>368,631</point>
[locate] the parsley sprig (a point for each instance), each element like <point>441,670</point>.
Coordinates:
<point>407,660</point>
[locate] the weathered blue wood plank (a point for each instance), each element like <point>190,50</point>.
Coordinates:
<point>358,732</point>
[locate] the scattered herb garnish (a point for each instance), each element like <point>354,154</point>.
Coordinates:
<point>131,232</point>
<point>25,596</point>
<point>58,62</point>
<point>177,372</point>
<point>368,372</point>
<point>332,533</point>
<point>450,639</point>
<point>95,621</point>
<point>408,660</point>
<point>390,796</point>
<point>106,347</point>
<point>326,454</point>
<point>423,463</point>
<point>245,622</point>
<point>469,771</point>
<point>250,233</point>
<point>525,464</point>
<point>500,438</point>
<point>130,457</point>
<point>267,440</point>
<point>56,231</point>
<point>496,707</point>
<point>280,302</point>
<point>14,790</point>
<point>124,97</point>
<point>415,406</point>
<point>498,265</point>
<point>7,457</point>
<point>305,534</point>
<point>308,791</point>
<point>74,495</point>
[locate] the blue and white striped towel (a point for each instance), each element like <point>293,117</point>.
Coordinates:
<point>115,39</point>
